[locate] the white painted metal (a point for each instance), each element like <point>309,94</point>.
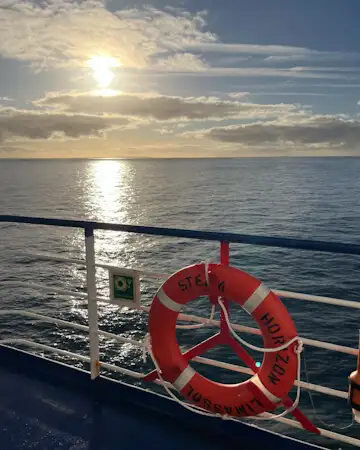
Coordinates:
<point>220,364</point>
<point>280,293</point>
<point>138,375</point>
<point>256,331</point>
<point>94,332</point>
<point>327,433</point>
<point>52,289</point>
<point>123,340</point>
<point>47,348</point>
<point>92,305</point>
<point>318,299</point>
<point>144,273</point>
<point>189,318</point>
<point>245,370</point>
<point>64,323</point>
<point>44,288</point>
<point>81,262</point>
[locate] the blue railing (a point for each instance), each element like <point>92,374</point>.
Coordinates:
<point>268,241</point>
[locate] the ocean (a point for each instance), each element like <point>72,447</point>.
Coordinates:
<point>309,198</point>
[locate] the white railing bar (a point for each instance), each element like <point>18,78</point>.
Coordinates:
<point>281,293</point>
<point>137,375</point>
<point>256,331</point>
<point>65,323</point>
<point>81,262</point>
<point>192,318</point>
<point>327,433</point>
<point>308,386</point>
<point>83,358</point>
<point>45,288</point>
<point>71,355</point>
<point>284,294</point>
<point>46,348</point>
<point>201,360</point>
<point>92,302</point>
<point>55,290</point>
<point>133,374</point>
<point>318,299</point>
<point>145,273</point>
<point>122,370</point>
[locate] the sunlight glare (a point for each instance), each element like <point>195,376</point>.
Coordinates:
<point>107,179</point>
<point>101,67</point>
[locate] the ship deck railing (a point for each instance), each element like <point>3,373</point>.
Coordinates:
<point>93,359</point>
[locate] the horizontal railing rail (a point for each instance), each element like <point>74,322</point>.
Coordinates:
<point>139,344</point>
<point>268,241</point>
<point>138,375</point>
<point>164,276</point>
<point>92,299</point>
<point>184,317</point>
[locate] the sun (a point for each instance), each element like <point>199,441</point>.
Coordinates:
<point>101,67</point>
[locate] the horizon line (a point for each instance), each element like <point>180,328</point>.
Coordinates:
<point>84,158</point>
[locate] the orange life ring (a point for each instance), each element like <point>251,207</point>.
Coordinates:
<point>264,391</point>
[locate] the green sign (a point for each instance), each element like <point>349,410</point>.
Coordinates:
<point>123,287</point>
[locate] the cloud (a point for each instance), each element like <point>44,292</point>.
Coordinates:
<point>293,94</point>
<point>163,108</point>
<point>292,72</point>
<point>66,33</point>
<point>11,149</point>
<point>251,49</point>
<point>308,131</point>
<point>181,61</point>
<point>273,53</point>
<point>16,124</point>
<point>325,69</point>
<point>314,57</point>
<point>242,95</point>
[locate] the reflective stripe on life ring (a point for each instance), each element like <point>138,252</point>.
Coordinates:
<point>278,371</point>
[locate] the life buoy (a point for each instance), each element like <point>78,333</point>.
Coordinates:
<point>264,391</point>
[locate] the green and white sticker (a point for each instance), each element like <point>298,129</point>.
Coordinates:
<point>124,287</point>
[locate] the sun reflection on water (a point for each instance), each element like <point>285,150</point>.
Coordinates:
<point>106,196</point>
<point>109,192</point>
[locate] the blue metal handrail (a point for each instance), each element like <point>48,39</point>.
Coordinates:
<point>268,241</point>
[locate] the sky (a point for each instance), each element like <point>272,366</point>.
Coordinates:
<point>191,78</point>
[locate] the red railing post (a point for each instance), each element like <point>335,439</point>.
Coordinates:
<point>224,259</point>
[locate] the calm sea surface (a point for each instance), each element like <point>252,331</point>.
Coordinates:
<point>304,198</point>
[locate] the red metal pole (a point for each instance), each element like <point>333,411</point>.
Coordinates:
<point>224,259</point>
<point>224,253</point>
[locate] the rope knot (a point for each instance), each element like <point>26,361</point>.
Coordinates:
<point>299,348</point>
<point>206,269</point>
